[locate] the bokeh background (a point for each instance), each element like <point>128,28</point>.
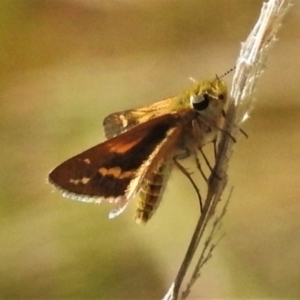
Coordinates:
<point>65,65</point>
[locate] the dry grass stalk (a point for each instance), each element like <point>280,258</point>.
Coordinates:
<point>250,65</point>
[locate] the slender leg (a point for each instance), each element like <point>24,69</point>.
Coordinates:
<point>199,166</point>
<point>215,149</point>
<point>207,161</point>
<point>219,128</point>
<point>189,177</point>
<point>240,129</point>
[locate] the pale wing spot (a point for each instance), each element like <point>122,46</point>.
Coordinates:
<point>74,181</point>
<point>85,180</point>
<point>87,161</point>
<point>103,171</point>
<point>116,172</point>
<point>124,120</point>
<point>126,174</point>
<point>123,147</point>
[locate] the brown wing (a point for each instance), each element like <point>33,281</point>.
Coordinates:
<point>113,171</point>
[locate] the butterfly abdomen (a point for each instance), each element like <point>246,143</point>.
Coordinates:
<point>151,192</point>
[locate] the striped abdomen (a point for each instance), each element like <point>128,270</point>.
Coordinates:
<point>151,192</point>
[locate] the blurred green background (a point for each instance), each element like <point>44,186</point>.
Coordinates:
<point>65,65</point>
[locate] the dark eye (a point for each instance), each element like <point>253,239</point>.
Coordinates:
<point>221,97</point>
<point>200,102</point>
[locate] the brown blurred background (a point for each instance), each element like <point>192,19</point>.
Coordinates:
<point>67,64</point>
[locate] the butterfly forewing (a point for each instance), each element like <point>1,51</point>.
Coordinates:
<point>113,171</point>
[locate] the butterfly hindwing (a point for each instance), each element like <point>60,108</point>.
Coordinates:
<point>119,122</point>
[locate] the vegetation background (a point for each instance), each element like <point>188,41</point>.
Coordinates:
<point>65,65</point>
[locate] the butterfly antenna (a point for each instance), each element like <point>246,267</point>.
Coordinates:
<point>226,73</point>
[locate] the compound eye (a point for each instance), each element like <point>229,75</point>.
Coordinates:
<point>200,102</point>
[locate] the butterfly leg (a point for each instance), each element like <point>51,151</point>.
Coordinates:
<point>188,175</point>
<point>198,165</point>
<point>207,161</point>
<point>240,129</point>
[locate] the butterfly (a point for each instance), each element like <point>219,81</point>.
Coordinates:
<point>142,146</point>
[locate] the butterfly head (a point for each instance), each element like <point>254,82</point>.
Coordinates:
<point>209,97</point>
